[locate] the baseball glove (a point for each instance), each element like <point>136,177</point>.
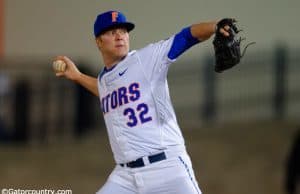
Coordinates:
<point>227,48</point>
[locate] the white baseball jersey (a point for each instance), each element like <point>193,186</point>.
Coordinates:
<point>136,104</point>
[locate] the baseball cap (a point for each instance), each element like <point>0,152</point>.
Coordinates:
<point>111,19</point>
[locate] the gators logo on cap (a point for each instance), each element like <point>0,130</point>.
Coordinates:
<point>114,16</point>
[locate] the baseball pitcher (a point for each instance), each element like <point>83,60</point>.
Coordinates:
<point>144,135</point>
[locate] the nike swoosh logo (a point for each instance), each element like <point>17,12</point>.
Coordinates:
<point>122,73</point>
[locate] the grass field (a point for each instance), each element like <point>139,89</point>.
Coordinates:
<point>230,159</point>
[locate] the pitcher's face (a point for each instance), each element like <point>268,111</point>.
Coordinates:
<point>114,43</point>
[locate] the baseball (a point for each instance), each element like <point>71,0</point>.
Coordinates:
<point>59,66</point>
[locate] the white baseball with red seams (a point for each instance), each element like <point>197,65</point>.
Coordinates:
<point>59,66</point>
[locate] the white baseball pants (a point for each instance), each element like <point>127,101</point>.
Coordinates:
<point>171,176</point>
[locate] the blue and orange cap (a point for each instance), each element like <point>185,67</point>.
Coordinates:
<point>109,20</point>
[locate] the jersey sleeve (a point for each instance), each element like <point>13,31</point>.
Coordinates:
<point>155,58</point>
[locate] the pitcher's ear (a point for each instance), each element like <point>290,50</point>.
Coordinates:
<point>98,40</point>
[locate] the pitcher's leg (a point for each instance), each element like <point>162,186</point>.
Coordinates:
<point>173,176</point>
<point>120,181</point>
<point>186,163</point>
<point>184,185</point>
<point>114,188</point>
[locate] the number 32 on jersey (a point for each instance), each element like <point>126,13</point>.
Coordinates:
<point>138,115</point>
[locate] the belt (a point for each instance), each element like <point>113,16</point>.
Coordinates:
<point>140,162</point>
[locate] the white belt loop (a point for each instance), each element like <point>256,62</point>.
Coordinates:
<point>146,160</point>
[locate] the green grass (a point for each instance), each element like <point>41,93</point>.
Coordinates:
<point>229,159</point>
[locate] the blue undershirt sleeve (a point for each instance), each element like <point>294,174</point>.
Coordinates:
<point>182,41</point>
